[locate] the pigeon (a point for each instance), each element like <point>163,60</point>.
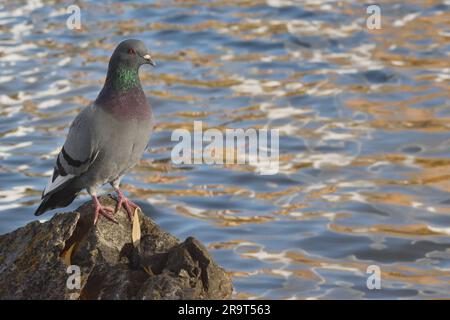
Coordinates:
<point>107,138</point>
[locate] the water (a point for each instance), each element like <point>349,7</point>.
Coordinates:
<point>363,118</point>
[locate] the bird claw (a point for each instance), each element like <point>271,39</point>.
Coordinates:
<point>130,208</point>
<point>104,211</point>
<point>127,204</point>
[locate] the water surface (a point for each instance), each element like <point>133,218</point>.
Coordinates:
<point>363,117</point>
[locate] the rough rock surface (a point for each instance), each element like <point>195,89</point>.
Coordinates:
<point>34,261</point>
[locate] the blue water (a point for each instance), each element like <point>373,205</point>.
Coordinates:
<point>363,117</point>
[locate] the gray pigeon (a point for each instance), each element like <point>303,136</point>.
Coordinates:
<point>107,138</point>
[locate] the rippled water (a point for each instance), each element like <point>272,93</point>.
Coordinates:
<point>363,118</point>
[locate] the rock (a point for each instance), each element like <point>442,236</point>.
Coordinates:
<point>34,261</point>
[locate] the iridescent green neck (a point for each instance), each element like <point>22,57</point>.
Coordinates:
<point>124,78</point>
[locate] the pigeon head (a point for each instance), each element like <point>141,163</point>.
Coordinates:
<point>131,54</point>
<point>124,66</point>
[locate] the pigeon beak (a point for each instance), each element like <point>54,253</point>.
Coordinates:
<point>149,60</point>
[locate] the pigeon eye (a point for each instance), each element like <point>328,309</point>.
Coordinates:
<point>131,51</point>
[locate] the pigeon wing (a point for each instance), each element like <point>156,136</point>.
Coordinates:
<point>77,154</point>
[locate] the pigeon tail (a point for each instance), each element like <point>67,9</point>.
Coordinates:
<point>60,197</point>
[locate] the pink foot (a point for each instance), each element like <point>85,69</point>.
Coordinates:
<point>127,204</point>
<point>101,210</point>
